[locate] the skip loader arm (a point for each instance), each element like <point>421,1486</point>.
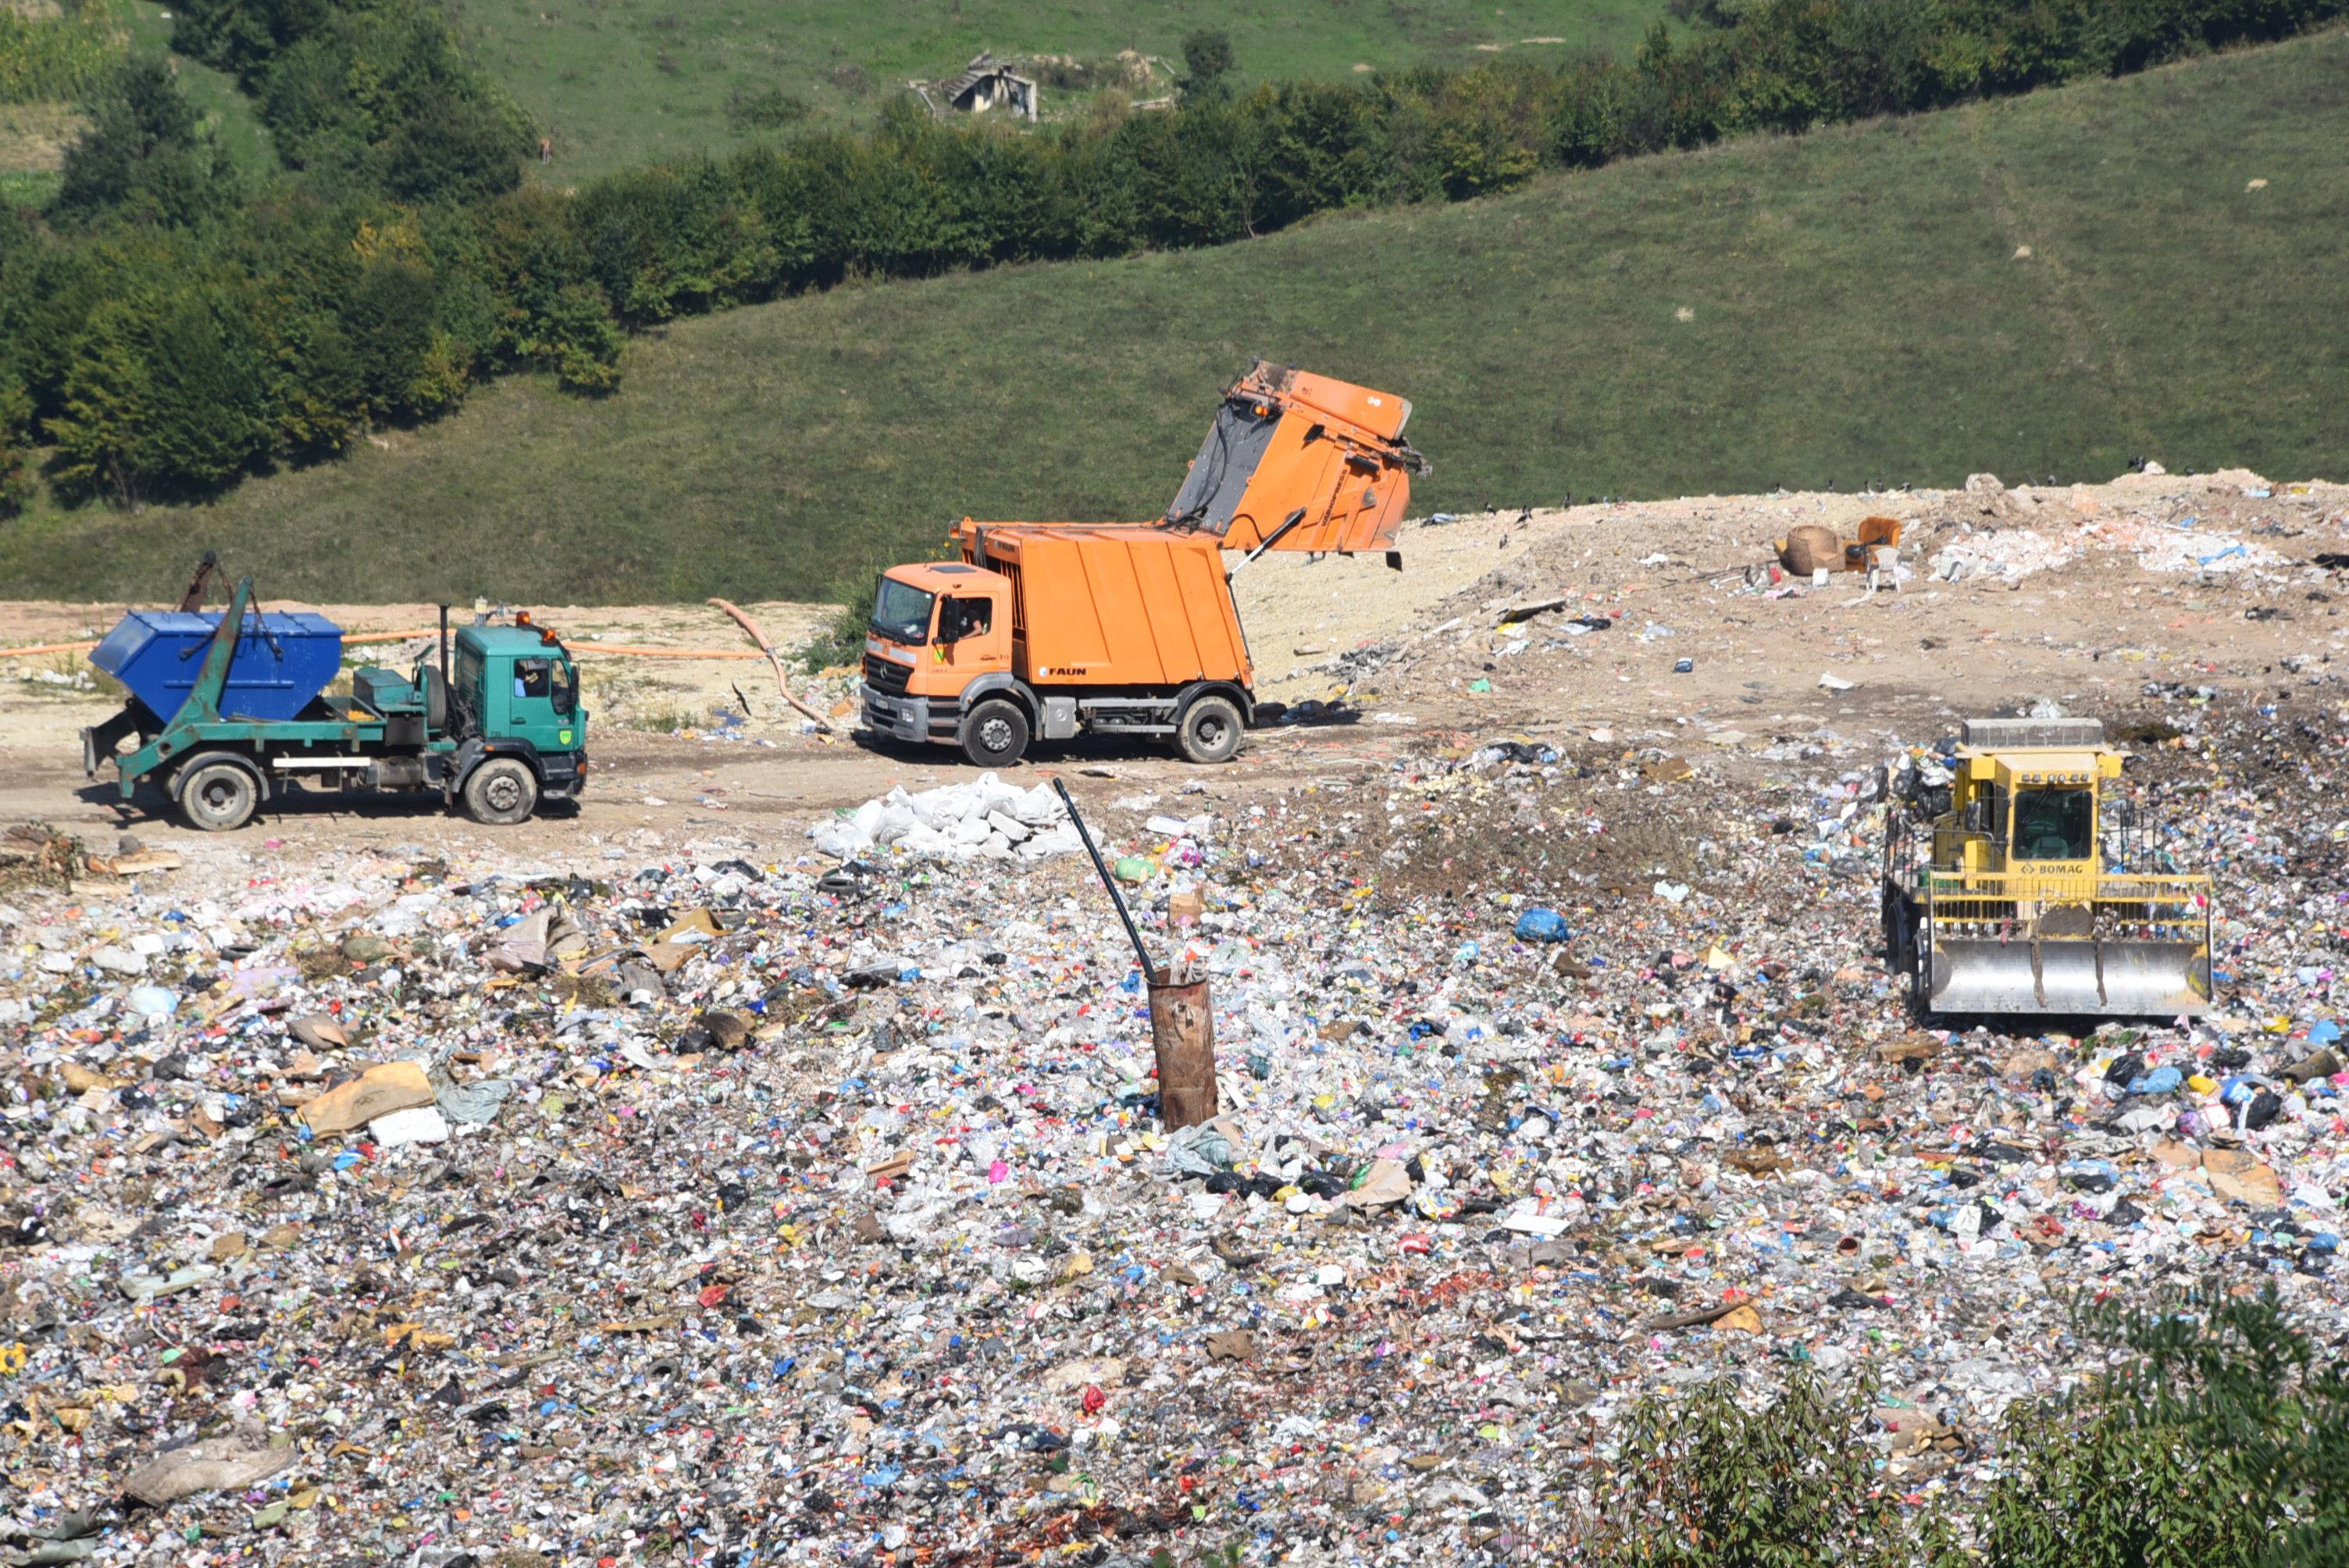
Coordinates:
<point>202,706</point>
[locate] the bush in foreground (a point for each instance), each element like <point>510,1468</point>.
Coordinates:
<point>2220,1440</point>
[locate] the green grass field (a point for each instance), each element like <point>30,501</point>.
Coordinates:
<point>1844,306</point>
<point>619,82</point>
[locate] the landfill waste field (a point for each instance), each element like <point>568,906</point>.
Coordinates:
<point>767,1162</point>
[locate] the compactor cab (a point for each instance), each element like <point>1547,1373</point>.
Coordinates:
<point>2035,889</point>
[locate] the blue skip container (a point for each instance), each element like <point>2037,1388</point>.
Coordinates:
<point>283,660</point>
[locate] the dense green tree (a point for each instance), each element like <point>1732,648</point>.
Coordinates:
<point>107,395</point>
<point>453,148</point>
<point>16,437</point>
<point>575,337</point>
<point>1489,130</point>
<point>207,418</point>
<point>390,319</point>
<point>245,35</point>
<point>368,97</point>
<point>1208,62</point>
<point>164,397</point>
<point>143,157</point>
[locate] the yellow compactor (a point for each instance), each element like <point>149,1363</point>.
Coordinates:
<point>2027,895</point>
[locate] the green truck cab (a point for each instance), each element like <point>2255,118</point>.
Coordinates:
<point>496,725</point>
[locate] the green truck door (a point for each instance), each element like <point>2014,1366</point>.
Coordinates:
<point>541,698</point>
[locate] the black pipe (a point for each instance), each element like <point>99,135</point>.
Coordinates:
<point>1149,970</point>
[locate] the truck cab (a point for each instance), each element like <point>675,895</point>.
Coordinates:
<point>2025,808</point>
<point>939,641</point>
<point>516,695</point>
<point>517,688</point>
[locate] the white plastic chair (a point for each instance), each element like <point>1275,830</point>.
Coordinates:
<point>1884,567</point>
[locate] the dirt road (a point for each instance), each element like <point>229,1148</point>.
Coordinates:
<point>1430,658</point>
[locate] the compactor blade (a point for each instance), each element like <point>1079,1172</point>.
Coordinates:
<point>2129,978</point>
<point>2156,978</point>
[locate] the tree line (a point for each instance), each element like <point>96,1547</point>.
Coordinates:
<point>167,327</point>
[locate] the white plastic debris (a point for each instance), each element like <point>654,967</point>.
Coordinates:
<point>984,819</point>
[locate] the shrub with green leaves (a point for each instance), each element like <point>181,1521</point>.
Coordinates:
<point>2221,1441</point>
<point>144,159</point>
<point>841,640</point>
<point>1705,1482</point>
<point>765,109</point>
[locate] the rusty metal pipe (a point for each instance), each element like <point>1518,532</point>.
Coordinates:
<point>1149,970</point>
<point>1183,1036</point>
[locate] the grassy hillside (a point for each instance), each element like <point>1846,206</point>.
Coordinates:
<point>623,82</point>
<point>1845,306</point>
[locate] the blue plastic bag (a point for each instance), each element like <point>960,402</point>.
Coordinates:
<point>1542,925</point>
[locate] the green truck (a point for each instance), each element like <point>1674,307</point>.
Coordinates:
<point>496,725</point>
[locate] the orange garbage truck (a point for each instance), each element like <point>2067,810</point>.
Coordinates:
<point>1048,630</point>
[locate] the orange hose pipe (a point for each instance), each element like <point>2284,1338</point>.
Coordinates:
<point>362,638</point>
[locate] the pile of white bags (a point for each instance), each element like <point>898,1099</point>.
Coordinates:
<point>983,820</point>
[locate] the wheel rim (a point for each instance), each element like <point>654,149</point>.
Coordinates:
<point>502,792</point>
<point>1211,731</point>
<point>995,735</point>
<point>219,795</point>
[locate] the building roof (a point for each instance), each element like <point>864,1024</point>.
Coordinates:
<point>979,69</point>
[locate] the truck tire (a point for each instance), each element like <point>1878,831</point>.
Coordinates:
<point>217,794</point>
<point>501,792</point>
<point>1210,730</point>
<point>996,734</point>
<point>1899,932</point>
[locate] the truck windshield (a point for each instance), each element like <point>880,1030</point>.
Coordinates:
<point>901,611</point>
<point>2054,824</point>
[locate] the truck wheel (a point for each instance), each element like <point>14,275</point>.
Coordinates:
<point>1921,978</point>
<point>1210,730</point>
<point>995,735</point>
<point>501,792</point>
<point>217,796</point>
<point>1896,930</point>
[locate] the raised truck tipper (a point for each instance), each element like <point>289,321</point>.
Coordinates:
<point>1042,631</point>
<point>229,710</point>
<point>2033,889</point>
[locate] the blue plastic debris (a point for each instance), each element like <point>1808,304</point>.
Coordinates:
<point>1543,926</point>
